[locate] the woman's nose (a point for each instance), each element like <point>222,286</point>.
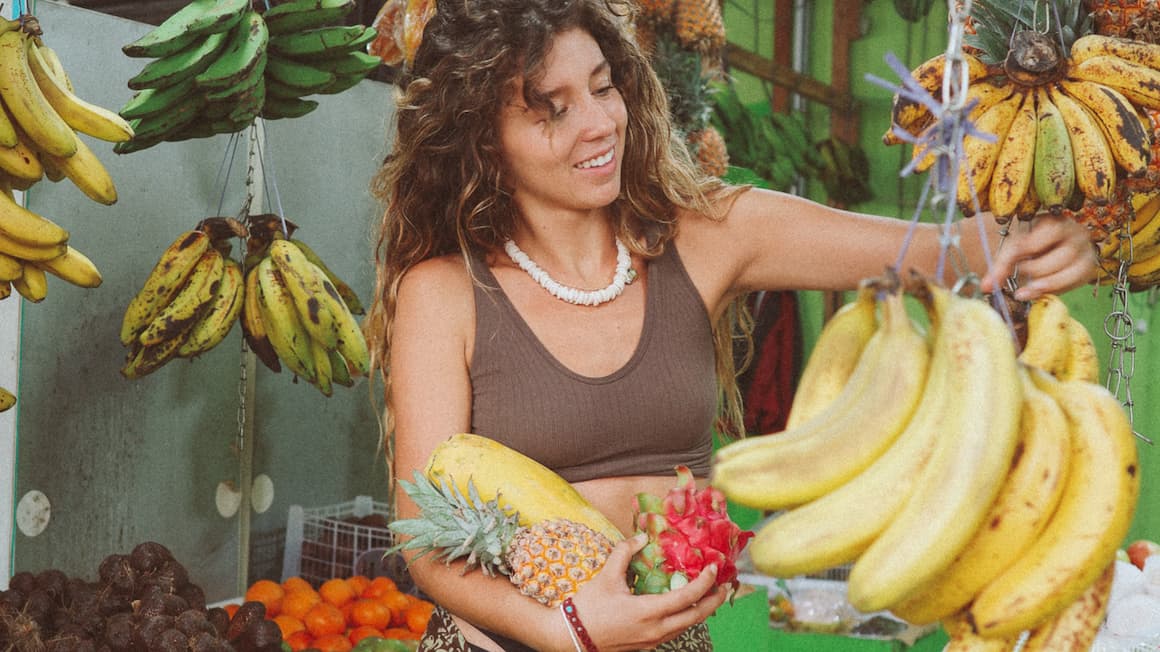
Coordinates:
<point>597,122</point>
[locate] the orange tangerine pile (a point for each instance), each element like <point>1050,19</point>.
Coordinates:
<point>341,611</point>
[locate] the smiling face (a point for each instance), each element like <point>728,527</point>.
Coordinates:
<point>566,155</point>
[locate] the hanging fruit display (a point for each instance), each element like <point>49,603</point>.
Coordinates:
<point>994,502</point>
<point>217,66</point>
<point>399,25</point>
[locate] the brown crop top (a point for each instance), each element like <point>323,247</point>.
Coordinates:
<point>649,416</point>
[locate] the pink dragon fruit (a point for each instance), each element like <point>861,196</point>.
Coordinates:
<point>687,530</point>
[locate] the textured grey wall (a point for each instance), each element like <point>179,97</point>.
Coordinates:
<point>128,461</point>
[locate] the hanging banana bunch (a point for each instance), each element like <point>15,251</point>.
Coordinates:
<point>965,483</point>
<point>217,65</point>
<point>297,312</point>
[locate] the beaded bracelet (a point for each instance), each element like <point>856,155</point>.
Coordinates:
<point>576,626</point>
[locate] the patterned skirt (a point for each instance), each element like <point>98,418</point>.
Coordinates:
<point>443,635</point>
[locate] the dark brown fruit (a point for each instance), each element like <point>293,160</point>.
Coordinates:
<point>148,556</point>
<point>118,574</point>
<point>249,613</point>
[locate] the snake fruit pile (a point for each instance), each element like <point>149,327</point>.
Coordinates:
<point>217,65</point>
<point>961,479</point>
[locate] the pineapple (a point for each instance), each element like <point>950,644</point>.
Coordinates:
<point>547,560</point>
<point>708,146</point>
<point>656,11</point>
<point>1134,19</point>
<point>699,25</point>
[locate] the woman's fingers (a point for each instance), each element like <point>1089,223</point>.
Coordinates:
<point>1054,256</point>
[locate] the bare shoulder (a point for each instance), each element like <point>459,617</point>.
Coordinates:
<point>437,288</point>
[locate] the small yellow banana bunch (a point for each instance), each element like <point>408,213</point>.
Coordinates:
<point>7,400</point>
<point>960,479</point>
<point>298,313</point>
<point>188,303</point>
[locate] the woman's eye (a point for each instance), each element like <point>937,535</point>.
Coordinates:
<point>605,90</point>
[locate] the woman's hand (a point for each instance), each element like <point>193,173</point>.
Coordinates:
<point>1055,255</point>
<point>618,620</point>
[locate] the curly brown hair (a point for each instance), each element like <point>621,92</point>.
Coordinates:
<point>444,187</point>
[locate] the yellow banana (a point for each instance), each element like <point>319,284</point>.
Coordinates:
<point>962,639</point>
<point>217,321</point>
<point>1054,172</point>
<point>287,335</point>
<point>1130,143</point>
<point>1029,206</point>
<point>1075,627</point>
<point>253,330</point>
<point>1095,168</point>
<point>981,95</point>
<point>785,470</point>
<point>80,115</point>
<point>5,289</point>
<point>1047,337</point>
<point>915,116</point>
<point>304,281</point>
<point>7,400</point>
<point>1143,231</point>
<point>834,356</point>
<point>980,154</point>
<point>1015,162</point>
<point>22,164</point>
<point>339,370</point>
<point>86,171</point>
<point>22,225</point>
<point>1092,519</point>
<point>1095,45</point>
<point>837,527</point>
<point>25,251</point>
<point>32,284</point>
<point>324,374</point>
<point>1141,84</point>
<point>976,440</point>
<point>25,101</point>
<point>1020,511</point>
<point>143,360</point>
<point>163,283</point>
<point>74,267</point>
<point>352,344</point>
<point>10,267</point>
<point>349,297</point>
<point>195,297</point>
<point>1083,361</point>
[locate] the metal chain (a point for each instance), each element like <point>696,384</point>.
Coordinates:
<point>1120,328</point>
<point>243,216</point>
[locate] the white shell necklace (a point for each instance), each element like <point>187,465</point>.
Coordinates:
<point>625,274</point>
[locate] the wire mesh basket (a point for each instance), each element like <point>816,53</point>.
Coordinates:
<point>339,541</point>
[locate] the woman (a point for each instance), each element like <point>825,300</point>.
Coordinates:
<point>533,133</point>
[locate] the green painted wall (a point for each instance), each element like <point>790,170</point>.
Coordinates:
<point>750,25</point>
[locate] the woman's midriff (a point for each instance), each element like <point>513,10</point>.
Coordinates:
<point>616,497</point>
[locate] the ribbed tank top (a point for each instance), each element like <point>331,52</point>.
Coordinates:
<point>654,413</point>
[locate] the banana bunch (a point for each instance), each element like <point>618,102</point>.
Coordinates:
<point>31,248</point>
<point>963,484</point>
<point>188,303</point>
<point>298,313</point>
<point>7,400</point>
<point>43,118</point>
<point>217,65</point>
<point>1136,245</point>
<point>1049,142</point>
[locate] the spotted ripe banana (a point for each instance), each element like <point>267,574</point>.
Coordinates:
<point>74,267</point>
<point>323,371</point>
<point>166,279</point>
<point>975,443</point>
<point>786,470</point>
<point>1092,519</point>
<point>1095,167</point>
<point>253,330</point>
<point>352,344</point>
<point>834,357</point>
<point>1075,627</point>
<point>26,103</point>
<point>1142,236</point>
<point>87,173</point>
<point>1095,45</point>
<point>32,284</point>
<point>349,297</point>
<point>189,303</point>
<point>1129,141</point>
<point>980,154</point>
<point>1054,171</point>
<point>1047,337</point>
<point>1016,161</point>
<point>1083,361</point>
<point>304,281</point>
<point>981,96</point>
<point>962,639</point>
<point>1140,83</point>
<point>914,116</point>
<point>1029,495</point>
<point>285,331</point>
<point>837,527</point>
<point>217,321</point>
<point>77,113</point>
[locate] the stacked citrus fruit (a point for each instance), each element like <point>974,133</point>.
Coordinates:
<point>341,611</point>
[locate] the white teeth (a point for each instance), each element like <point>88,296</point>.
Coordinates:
<point>596,162</point>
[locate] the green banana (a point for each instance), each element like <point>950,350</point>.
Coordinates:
<point>1054,171</point>
<point>299,15</point>
<point>169,70</point>
<point>321,42</point>
<point>349,297</point>
<point>355,62</point>
<point>189,304</point>
<point>342,83</point>
<point>167,277</point>
<point>324,373</point>
<point>218,321</point>
<point>286,333</point>
<point>340,373</point>
<point>155,101</point>
<point>243,54</point>
<point>276,108</point>
<point>183,28</point>
<point>152,129</point>
<point>303,77</point>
